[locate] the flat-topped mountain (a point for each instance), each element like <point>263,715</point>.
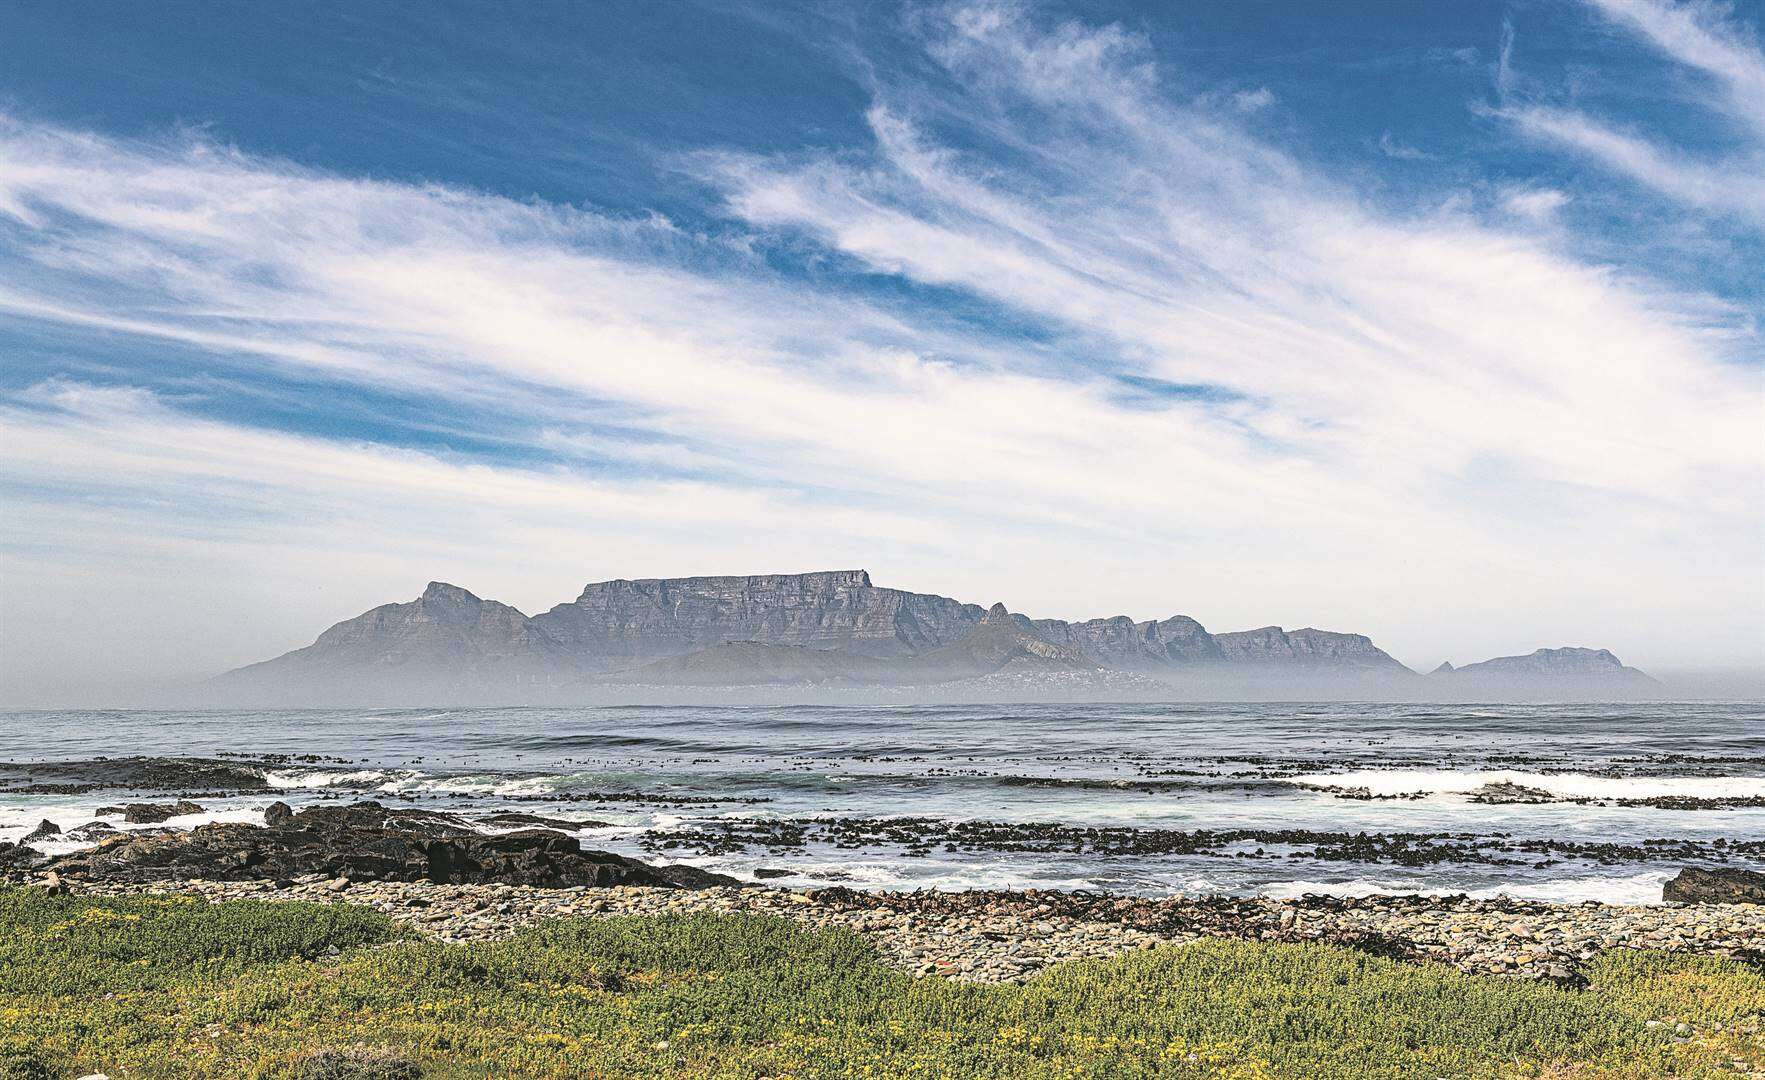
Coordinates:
<point>615,624</point>
<point>1305,648</point>
<point>832,628</point>
<point>1566,663</point>
<point>1000,643</point>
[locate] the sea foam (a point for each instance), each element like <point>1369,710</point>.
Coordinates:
<point>1391,783</point>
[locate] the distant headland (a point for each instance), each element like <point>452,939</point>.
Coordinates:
<point>834,630</point>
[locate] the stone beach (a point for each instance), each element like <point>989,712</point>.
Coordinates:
<point>995,937</point>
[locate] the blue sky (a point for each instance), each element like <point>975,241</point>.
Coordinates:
<point>1434,321</point>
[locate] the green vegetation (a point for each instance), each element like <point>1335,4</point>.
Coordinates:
<point>172,987</point>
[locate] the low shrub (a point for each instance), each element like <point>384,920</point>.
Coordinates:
<point>153,988</point>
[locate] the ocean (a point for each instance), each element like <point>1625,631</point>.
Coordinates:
<point>1549,802</point>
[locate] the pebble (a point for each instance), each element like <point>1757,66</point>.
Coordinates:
<point>1008,937</point>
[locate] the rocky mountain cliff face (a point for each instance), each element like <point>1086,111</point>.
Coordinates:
<point>1001,641</point>
<point>1305,648</point>
<point>446,637</point>
<point>617,624</point>
<point>833,627</point>
<point>1123,643</point>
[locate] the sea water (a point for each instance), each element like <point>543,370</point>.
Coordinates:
<point>1557,802</point>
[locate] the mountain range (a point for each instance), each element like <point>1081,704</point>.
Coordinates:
<point>827,629</point>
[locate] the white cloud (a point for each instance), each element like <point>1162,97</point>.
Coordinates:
<point>1533,203</point>
<point>1721,187</point>
<point>1458,439</point>
<point>1391,148</point>
<point>1504,60</point>
<point>1699,36</point>
<point>1253,100</point>
<point>1240,272</point>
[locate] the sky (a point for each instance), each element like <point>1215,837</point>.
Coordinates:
<point>1437,322</point>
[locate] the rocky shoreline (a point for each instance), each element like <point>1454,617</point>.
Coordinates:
<point>992,937</point>
<point>450,879</point>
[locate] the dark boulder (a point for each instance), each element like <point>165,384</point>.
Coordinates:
<point>1506,793</point>
<point>44,830</point>
<point>150,813</point>
<point>277,813</point>
<point>91,830</point>
<point>179,777</point>
<point>366,841</point>
<point>1724,886</point>
<point>14,856</point>
<point>540,821</point>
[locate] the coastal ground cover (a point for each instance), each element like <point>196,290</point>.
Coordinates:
<point>174,987</point>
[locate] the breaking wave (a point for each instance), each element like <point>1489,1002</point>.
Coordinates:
<point>1643,888</point>
<point>1397,783</point>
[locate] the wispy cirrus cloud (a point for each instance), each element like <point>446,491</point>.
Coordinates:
<point>1118,332</point>
<point>1698,36</point>
<point>1207,257</point>
<point>1702,35</point>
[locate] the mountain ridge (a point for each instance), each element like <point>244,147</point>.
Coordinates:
<point>833,627</point>
<point>1571,661</point>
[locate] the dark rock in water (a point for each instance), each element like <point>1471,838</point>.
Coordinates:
<point>683,876</point>
<point>170,775</point>
<point>911,836</point>
<point>150,813</point>
<point>539,821</point>
<point>44,830</point>
<point>277,813</point>
<point>367,841</point>
<point>1725,886</point>
<point>1505,793</point>
<point>91,830</point>
<point>768,872</point>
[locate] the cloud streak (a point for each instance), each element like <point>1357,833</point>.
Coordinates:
<point>1700,35</point>
<point>1245,391</point>
<point>1696,36</point>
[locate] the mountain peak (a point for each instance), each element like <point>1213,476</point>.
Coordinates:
<point>1306,647</point>
<point>441,591</point>
<point>820,626</point>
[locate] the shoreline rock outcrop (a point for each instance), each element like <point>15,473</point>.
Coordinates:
<point>1724,885</point>
<point>368,841</point>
